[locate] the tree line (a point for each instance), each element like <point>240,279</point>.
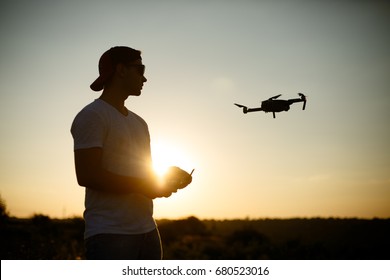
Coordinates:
<point>40,237</point>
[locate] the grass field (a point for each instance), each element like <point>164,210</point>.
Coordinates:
<point>280,239</point>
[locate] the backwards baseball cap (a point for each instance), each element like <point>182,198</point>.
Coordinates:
<point>108,62</point>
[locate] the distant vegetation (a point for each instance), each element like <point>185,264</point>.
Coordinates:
<point>278,239</point>
<point>43,238</point>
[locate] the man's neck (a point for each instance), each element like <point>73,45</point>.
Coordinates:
<point>115,101</point>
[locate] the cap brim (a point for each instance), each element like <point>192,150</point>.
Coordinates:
<point>98,84</point>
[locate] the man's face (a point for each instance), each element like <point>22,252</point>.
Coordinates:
<point>134,78</point>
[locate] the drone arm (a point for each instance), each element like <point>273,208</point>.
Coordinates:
<point>248,110</point>
<point>254,109</point>
<point>296,100</point>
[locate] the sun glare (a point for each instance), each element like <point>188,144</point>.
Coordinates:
<point>166,155</point>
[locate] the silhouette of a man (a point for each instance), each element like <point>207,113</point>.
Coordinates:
<point>113,162</point>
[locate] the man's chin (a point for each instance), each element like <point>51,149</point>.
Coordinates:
<point>135,93</point>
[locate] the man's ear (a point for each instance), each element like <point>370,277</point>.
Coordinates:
<point>121,69</point>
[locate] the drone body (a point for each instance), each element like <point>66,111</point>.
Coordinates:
<point>275,105</point>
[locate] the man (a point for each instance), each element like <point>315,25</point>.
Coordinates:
<point>113,162</point>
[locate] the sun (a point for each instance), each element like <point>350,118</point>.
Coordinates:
<point>165,155</point>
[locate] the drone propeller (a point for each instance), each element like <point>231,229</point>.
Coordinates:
<point>241,106</point>
<point>303,97</point>
<point>274,97</point>
<point>244,108</point>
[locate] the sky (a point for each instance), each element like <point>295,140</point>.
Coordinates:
<point>201,57</point>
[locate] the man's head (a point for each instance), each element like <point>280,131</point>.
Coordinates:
<point>123,65</point>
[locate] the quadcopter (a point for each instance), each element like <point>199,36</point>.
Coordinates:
<point>275,105</point>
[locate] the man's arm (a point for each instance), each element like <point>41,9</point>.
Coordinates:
<point>90,174</point>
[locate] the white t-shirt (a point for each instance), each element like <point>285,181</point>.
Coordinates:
<point>125,143</point>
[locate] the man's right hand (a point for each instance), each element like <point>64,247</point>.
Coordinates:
<point>174,180</point>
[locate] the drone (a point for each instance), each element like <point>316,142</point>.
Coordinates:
<point>275,105</point>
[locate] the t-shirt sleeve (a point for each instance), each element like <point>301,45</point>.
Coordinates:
<point>88,130</point>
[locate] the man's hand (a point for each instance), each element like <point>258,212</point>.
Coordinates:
<point>174,179</point>
<point>177,178</point>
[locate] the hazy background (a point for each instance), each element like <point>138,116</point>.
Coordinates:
<point>333,159</point>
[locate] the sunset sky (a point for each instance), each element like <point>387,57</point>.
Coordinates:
<point>201,57</point>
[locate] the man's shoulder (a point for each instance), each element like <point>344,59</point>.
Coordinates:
<point>95,108</point>
<point>95,105</point>
<point>91,113</point>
